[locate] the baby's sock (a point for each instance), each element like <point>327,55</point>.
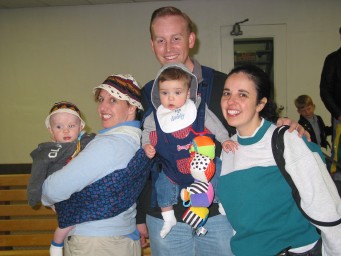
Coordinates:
<point>170,221</point>
<point>56,249</point>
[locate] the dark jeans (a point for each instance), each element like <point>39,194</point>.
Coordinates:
<point>315,251</point>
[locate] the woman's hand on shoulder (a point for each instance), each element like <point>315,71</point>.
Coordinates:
<point>293,125</point>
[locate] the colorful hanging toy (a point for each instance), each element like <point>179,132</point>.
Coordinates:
<point>199,195</point>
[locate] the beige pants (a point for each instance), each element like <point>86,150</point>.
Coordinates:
<point>101,246</point>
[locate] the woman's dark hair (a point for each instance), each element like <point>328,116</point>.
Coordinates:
<point>263,88</point>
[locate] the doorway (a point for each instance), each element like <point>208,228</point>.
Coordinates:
<point>264,46</point>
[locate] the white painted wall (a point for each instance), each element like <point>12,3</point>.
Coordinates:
<point>61,53</point>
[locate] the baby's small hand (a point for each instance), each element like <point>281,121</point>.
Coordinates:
<point>230,146</point>
<point>149,150</point>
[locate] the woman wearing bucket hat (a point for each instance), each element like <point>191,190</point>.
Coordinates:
<point>97,181</point>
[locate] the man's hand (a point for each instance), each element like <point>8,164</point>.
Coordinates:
<point>293,126</point>
<point>143,230</point>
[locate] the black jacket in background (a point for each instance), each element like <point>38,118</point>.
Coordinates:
<point>324,130</point>
<point>330,85</point>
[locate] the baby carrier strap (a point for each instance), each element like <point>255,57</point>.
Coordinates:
<point>200,121</point>
<point>107,197</point>
<point>208,75</point>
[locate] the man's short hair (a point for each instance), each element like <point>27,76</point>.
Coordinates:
<point>170,11</point>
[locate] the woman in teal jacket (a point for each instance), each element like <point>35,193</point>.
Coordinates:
<point>254,194</point>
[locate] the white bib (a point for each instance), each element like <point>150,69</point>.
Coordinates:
<point>175,120</point>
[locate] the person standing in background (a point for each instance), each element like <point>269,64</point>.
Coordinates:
<point>330,92</point>
<point>311,122</point>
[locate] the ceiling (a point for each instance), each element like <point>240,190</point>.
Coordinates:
<point>12,4</point>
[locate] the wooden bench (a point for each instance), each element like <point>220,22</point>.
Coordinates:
<point>23,230</point>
